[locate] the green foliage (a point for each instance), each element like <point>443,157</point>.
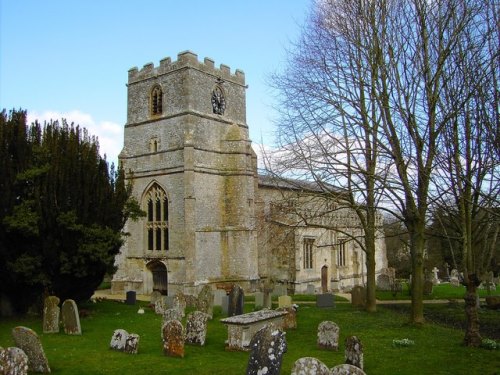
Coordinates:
<point>62,209</point>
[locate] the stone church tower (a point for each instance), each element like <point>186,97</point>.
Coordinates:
<point>188,156</point>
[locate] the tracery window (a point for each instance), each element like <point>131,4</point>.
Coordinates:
<point>157,219</point>
<point>156,101</point>
<point>218,101</point>
<point>308,245</point>
<point>341,252</point>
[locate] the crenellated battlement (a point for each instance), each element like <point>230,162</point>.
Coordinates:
<point>185,59</point>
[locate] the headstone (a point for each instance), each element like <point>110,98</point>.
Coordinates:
<point>124,341</point>
<point>493,302</point>
<point>435,278</point>
<point>160,306</point>
<point>454,278</point>
<point>13,361</point>
<point>218,295</point>
<point>309,366</point>
<point>259,300</point>
<point>155,296</point>
<point>70,318</point>
<point>284,301</point>
<point>354,352</point>
<point>328,335</point>
<point>51,313</point>
<point>428,285</point>
<point>179,303</point>
<point>358,296</point>
<point>171,314</point>
<point>447,271</point>
<point>310,289</point>
<point>279,290</point>
<point>346,369</point>
<point>383,282</point>
<point>236,301</point>
<point>27,340</point>
<point>205,301</point>
<point>290,319</point>
<point>196,328</point>
<point>325,300</point>
<point>225,305</point>
<point>267,348</point>
<point>173,339</point>
<point>131,297</point>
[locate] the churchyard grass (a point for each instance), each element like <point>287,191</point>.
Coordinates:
<point>437,349</point>
<point>439,291</point>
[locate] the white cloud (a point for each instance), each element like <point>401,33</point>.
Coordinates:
<point>109,134</point>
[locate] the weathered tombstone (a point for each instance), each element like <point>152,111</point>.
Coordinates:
<point>454,278</point>
<point>70,318</point>
<point>173,339</point>
<point>27,340</point>
<point>124,341</point>
<point>435,277</point>
<point>346,369</point>
<point>130,297</point>
<point>279,290</point>
<point>171,314</point>
<point>328,335</point>
<point>284,301</point>
<point>196,328</point>
<point>160,306</point>
<point>290,319</point>
<point>310,289</point>
<point>358,296</point>
<point>205,301</point>
<point>354,352</point>
<point>225,305</point>
<point>325,300</point>
<point>236,301</point>
<point>267,348</point>
<point>13,361</point>
<point>51,313</point>
<point>155,296</point>
<point>309,366</point>
<point>179,303</point>
<point>383,282</point>
<point>428,285</point>
<point>218,295</point>
<point>259,300</point>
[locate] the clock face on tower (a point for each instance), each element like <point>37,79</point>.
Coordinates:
<point>218,101</point>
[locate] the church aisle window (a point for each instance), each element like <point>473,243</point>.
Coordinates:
<point>157,223</point>
<point>308,252</point>
<point>156,101</point>
<point>341,246</point>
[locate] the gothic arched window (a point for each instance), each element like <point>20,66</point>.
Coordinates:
<point>156,101</point>
<point>156,205</point>
<point>218,101</point>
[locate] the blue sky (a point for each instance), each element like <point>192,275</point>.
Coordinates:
<point>70,58</point>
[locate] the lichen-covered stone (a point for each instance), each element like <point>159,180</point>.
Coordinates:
<point>27,340</point>
<point>196,328</point>
<point>205,302</point>
<point>125,342</point>
<point>267,348</point>
<point>173,339</point>
<point>70,317</point>
<point>13,361</point>
<point>309,366</point>
<point>180,303</point>
<point>290,319</point>
<point>132,344</point>
<point>328,335</point>
<point>51,313</point>
<point>354,352</point>
<point>346,369</point>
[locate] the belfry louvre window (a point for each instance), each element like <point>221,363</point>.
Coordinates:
<point>156,101</point>
<point>341,245</point>
<point>308,252</point>
<point>157,219</point>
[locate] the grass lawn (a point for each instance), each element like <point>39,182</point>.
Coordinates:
<point>440,291</point>
<point>437,349</point>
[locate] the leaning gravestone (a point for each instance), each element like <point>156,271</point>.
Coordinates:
<point>124,341</point>
<point>267,348</point>
<point>196,328</point>
<point>173,339</point>
<point>358,296</point>
<point>70,318</point>
<point>346,369</point>
<point>328,335</point>
<point>309,365</point>
<point>236,301</point>
<point>205,302</point>
<point>354,352</point>
<point>13,361</point>
<point>27,340</point>
<point>51,313</point>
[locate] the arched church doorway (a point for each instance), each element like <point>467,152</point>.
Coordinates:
<point>160,277</point>
<point>324,279</point>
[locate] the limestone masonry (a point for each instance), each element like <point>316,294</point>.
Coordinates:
<point>210,218</point>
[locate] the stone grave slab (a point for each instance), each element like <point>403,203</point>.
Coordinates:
<point>328,335</point>
<point>236,301</point>
<point>325,300</point>
<point>196,328</point>
<point>173,339</point>
<point>284,301</point>
<point>13,361</point>
<point>51,312</point>
<point>309,365</point>
<point>267,348</point>
<point>354,352</point>
<point>27,340</point>
<point>71,318</point>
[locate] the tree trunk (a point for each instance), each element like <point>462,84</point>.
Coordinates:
<point>417,281</point>
<point>371,300</point>
<point>472,335</point>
